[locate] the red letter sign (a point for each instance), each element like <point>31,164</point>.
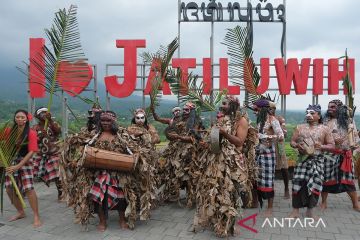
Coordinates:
<point>164,86</point>
<point>292,73</point>
<point>265,78</point>
<point>207,80</point>
<point>318,76</point>
<point>231,90</point>
<point>36,68</point>
<point>184,64</point>
<point>334,75</point>
<point>126,88</point>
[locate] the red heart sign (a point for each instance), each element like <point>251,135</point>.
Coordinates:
<point>73,78</point>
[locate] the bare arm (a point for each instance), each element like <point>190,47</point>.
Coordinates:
<point>159,119</point>
<point>277,129</point>
<point>174,136</point>
<point>55,127</point>
<point>27,157</point>
<point>154,135</point>
<point>283,125</point>
<point>294,138</point>
<point>241,133</point>
<point>328,141</point>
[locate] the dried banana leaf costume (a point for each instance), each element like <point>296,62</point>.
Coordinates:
<point>88,189</point>
<point>179,155</point>
<point>145,135</point>
<point>223,178</point>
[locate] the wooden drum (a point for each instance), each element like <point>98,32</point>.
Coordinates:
<point>102,159</point>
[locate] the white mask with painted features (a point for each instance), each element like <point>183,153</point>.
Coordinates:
<point>176,113</point>
<point>140,119</point>
<point>309,114</point>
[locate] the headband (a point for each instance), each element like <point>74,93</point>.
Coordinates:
<point>337,102</point>
<point>264,103</point>
<point>40,110</point>
<point>139,110</point>
<point>316,108</point>
<point>108,116</point>
<point>189,105</point>
<point>175,109</point>
<point>232,99</point>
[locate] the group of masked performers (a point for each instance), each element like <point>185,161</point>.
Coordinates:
<point>219,180</point>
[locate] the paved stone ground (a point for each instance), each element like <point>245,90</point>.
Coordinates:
<point>172,222</point>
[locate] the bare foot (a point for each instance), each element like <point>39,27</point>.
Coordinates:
<point>101,227</point>
<point>310,214</point>
<point>237,231</point>
<point>61,200</point>
<point>287,195</point>
<point>268,212</point>
<point>37,223</point>
<point>294,214</point>
<point>123,224</point>
<point>356,208</point>
<point>323,206</point>
<point>17,217</point>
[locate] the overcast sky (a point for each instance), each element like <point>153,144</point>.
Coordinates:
<point>315,29</point>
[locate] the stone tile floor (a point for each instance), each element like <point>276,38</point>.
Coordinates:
<point>171,222</point>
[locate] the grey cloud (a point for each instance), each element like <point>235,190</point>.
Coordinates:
<point>322,31</point>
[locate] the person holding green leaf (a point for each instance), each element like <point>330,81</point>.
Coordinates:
<point>21,167</point>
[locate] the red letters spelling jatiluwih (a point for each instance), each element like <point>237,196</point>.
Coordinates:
<point>286,74</point>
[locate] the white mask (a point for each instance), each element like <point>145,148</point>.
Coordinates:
<point>309,114</point>
<point>140,119</point>
<point>176,113</point>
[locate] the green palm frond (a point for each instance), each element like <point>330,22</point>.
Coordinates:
<point>348,84</point>
<point>9,148</point>
<point>162,70</point>
<point>242,68</point>
<point>65,50</point>
<point>195,92</point>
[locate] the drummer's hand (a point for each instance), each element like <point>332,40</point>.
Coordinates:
<point>203,144</point>
<point>298,146</point>
<point>187,139</point>
<point>12,169</point>
<point>317,146</point>
<point>138,134</point>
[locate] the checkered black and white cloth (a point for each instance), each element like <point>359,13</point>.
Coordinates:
<point>105,182</point>
<point>310,171</point>
<point>265,158</point>
<point>332,172</point>
<point>46,167</point>
<point>24,177</point>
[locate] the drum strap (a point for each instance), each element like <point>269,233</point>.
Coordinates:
<point>97,135</point>
<point>93,139</point>
<point>81,162</point>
